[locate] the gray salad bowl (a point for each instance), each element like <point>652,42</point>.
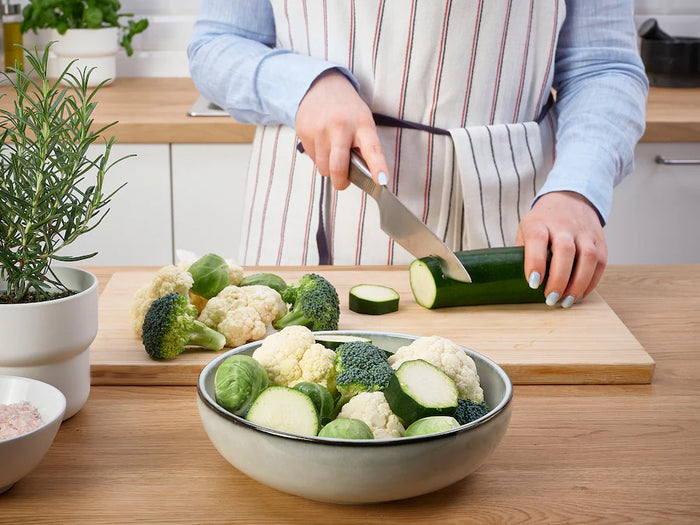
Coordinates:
<point>357,471</point>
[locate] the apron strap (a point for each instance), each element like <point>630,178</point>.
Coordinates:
<point>393,122</point>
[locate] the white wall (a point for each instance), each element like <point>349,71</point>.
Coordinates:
<point>676,17</point>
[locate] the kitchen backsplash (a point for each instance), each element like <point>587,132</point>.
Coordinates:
<point>162,50</point>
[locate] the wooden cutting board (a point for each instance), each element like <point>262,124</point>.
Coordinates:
<point>535,344</point>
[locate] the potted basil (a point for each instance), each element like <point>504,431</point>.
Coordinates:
<point>88,30</point>
<point>51,190</point>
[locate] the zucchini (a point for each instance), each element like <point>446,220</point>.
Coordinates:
<point>270,280</point>
<point>498,277</point>
<point>419,389</point>
<point>285,409</point>
<point>373,299</point>
<point>333,341</point>
<point>320,397</point>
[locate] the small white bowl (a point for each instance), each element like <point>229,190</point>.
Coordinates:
<point>357,471</point>
<point>21,454</point>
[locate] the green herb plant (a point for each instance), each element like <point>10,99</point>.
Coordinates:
<point>81,14</point>
<point>51,190</point>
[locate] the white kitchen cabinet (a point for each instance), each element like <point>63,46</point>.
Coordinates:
<point>655,216</point>
<point>138,228</point>
<point>208,196</point>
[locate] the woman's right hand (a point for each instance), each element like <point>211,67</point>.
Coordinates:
<point>331,120</point>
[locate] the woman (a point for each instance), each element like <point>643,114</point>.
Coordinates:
<point>491,163</point>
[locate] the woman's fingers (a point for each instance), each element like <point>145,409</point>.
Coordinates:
<point>590,263</point>
<point>535,239</point>
<point>371,150</point>
<point>563,254</point>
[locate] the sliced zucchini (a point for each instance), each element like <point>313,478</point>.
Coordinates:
<point>285,409</point>
<point>373,299</point>
<point>498,277</point>
<point>419,389</point>
<point>320,397</point>
<point>333,341</point>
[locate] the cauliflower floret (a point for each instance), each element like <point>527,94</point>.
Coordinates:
<point>373,409</point>
<point>243,314</point>
<point>449,358</point>
<point>167,280</point>
<point>293,356</point>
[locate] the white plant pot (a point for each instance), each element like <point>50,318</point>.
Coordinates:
<point>93,48</point>
<point>50,341</point>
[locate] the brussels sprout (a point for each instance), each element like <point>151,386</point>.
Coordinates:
<point>265,279</point>
<point>346,428</point>
<point>321,397</point>
<point>431,425</point>
<point>238,381</point>
<point>210,275</point>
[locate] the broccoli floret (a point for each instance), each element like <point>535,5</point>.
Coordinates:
<point>468,411</point>
<point>314,303</point>
<point>361,367</point>
<point>170,325</point>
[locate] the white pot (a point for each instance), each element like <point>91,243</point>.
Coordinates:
<point>50,341</point>
<point>93,48</point>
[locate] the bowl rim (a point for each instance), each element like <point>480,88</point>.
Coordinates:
<point>44,424</point>
<point>410,440</point>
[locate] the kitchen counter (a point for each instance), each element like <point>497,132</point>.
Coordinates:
<point>154,110</point>
<point>583,453</point>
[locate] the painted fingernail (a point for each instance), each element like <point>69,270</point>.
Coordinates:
<point>382,178</point>
<point>552,299</point>
<point>534,280</point>
<point>579,299</point>
<point>568,301</point>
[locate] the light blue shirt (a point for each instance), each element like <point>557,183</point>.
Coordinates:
<point>599,78</point>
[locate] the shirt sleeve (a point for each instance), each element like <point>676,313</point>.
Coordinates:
<point>234,63</point>
<point>601,97</point>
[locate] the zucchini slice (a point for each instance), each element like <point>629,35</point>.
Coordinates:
<point>285,409</point>
<point>419,389</point>
<point>332,341</point>
<point>498,277</point>
<point>373,299</point>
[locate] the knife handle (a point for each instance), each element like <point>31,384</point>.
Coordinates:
<point>360,175</point>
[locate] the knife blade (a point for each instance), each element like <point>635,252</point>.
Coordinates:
<point>397,221</point>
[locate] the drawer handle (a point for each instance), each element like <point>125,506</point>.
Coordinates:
<point>676,162</point>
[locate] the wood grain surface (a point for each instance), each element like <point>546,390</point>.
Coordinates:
<point>603,454</point>
<point>533,343</point>
<point>154,110</point>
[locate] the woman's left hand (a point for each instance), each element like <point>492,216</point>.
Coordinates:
<point>567,224</point>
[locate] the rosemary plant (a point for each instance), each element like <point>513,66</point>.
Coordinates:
<point>51,191</point>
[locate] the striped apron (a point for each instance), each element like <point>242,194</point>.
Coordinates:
<point>482,70</point>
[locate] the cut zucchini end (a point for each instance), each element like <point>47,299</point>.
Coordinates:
<point>373,299</point>
<point>422,283</point>
<point>285,409</point>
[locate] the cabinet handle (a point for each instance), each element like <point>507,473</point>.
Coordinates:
<point>676,162</point>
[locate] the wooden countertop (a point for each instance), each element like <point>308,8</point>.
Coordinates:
<point>586,453</point>
<point>154,110</point>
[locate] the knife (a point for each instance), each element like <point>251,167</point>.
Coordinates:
<point>397,221</point>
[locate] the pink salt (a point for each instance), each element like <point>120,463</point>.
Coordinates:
<point>17,419</point>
